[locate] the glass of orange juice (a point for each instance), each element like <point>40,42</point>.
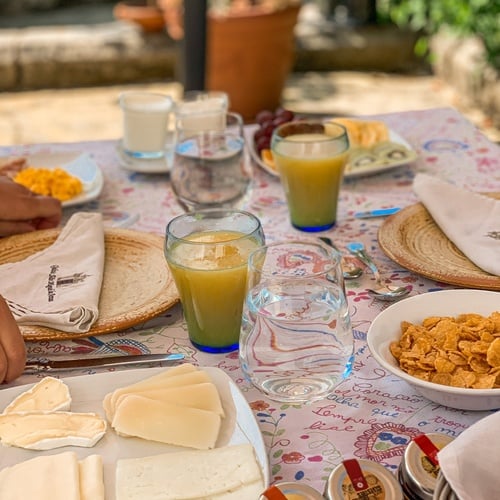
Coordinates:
<point>311,157</point>
<point>207,252</point>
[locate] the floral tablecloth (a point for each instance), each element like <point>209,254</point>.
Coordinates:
<point>371,414</point>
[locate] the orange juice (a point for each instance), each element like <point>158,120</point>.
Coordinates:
<point>311,167</point>
<point>211,280</point>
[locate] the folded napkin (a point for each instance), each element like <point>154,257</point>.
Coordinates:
<point>470,220</point>
<point>471,462</point>
<point>59,287</point>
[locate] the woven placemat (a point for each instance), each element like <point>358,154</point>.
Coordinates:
<point>412,239</point>
<point>137,284</point>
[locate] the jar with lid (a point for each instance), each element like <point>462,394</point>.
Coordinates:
<point>419,468</point>
<point>359,479</point>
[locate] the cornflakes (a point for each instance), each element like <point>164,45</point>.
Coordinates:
<point>459,352</point>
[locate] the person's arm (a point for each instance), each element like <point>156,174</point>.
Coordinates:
<point>12,346</point>
<point>22,211</point>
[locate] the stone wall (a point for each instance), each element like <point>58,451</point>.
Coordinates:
<point>461,63</point>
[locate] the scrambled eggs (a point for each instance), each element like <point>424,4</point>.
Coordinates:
<point>50,182</point>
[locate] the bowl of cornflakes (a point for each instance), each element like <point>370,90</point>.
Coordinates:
<point>446,344</point>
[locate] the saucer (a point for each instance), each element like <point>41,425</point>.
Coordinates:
<point>143,166</point>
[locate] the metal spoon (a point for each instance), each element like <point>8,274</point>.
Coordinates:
<point>383,292</point>
<point>349,270</point>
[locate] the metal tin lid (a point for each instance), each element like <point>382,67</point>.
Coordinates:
<point>292,491</point>
<point>419,466</point>
<point>360,479</point>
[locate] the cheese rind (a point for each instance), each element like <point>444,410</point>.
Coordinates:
<point>49,394</point>
<point>230,470</point>
<point>48,430</point>
<point>166,423</point>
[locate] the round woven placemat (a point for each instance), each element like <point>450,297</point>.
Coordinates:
<point>412,239</point>
<point>137,284</point>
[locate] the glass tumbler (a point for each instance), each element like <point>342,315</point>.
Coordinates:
<point>296,342</point>
<point>311,157</point>
<point>207,252</point>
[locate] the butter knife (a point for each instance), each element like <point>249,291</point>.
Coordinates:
<point>51,365</point>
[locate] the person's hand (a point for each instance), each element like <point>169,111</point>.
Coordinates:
<point>12,347</point>
<point>22,211</point>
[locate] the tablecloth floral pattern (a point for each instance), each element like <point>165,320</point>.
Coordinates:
<point>372,414</point>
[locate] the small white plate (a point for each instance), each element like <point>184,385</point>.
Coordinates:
<point>350,172</point>
<point>158,166</point>
<point>78,164</point>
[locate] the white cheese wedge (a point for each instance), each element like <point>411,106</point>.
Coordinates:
<point>52,477</point>
<point>166,423</point>
<point>49,394</point>
<point>204,396</point>
<point>192,474</point>
<point>91,478</point>
<point>48,430</point>
<point>153,383</point>
<point>110,398</point>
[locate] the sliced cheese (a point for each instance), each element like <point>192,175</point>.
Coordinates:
<point>204,396</point>
<point>166,423</point>
<point>49,394</point>
<point>191,475</point>
<point>91,478</point>
<point>52,477</point>
<point>48,430</point>
<point>157,382</point>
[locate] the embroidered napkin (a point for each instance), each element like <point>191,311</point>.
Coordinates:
<point>59,287</point>
<point>470,220</point>
<point>471,462</point>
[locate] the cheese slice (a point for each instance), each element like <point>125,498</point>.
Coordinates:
<point>91,478</point>
<point>166,422</point>
<point>49,394</point>
<point>204,396</point>
<point>195,377</point>
<point>51,477</point>
<point>48,430</point>
<point>191,475</point>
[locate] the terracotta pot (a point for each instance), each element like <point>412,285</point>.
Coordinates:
<point>249,56</point>
<point>149,17</point>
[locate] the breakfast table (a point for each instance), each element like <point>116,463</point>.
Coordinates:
<point>372,414</point>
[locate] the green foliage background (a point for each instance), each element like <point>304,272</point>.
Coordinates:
<point>463,17</point>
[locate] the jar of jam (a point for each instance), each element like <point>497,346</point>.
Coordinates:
<point>358,479</point>
<point>419,466</point>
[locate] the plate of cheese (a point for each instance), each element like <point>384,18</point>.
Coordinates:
<point>166,430</point>
<point>374,148</point>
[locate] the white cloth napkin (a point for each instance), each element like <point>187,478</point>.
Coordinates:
<point>470,220</point>
<point>471,462</point>
<point>59,287</point>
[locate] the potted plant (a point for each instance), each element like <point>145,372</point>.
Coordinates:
<point>145,13</point>
<point>250,49</point>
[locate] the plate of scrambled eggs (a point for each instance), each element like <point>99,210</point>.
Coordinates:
<point>73,178</point>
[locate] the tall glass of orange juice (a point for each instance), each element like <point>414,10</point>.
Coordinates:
<point>311,157</point>
<point>207,252</point>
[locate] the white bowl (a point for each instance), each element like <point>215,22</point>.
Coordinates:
<point>386,328</point>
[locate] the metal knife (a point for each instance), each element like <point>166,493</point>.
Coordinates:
<point>382,212</point>
<point>51,365</point>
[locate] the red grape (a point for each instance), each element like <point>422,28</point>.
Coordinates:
<point>264,116</point>
<point>263,143</point>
